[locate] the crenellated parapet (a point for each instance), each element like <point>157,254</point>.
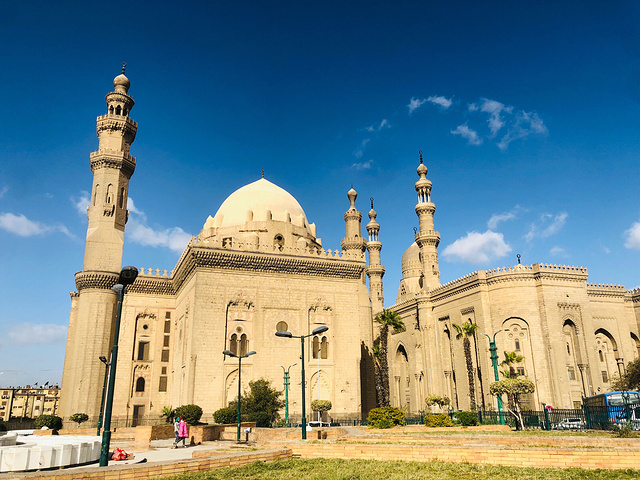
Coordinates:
<point>607,290</point>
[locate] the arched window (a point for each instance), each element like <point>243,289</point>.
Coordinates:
<point>109,196</point>
<point>282,327</point>
<point>118,110</point>
<point>140,384</point>
<point>111,109</point>
<point>121,198</point>
<point>278,241</point>
<point>244,344</point>
<point>233,344</point>
<point>601,355</point>
<point>517,345</point>
<point>316,347</point>
<point>95,193</point>
<point>324,348</point>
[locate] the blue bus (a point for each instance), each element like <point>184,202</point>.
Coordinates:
<point>613,407</point>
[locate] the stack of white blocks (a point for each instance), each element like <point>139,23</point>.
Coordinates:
<point>34,452</point>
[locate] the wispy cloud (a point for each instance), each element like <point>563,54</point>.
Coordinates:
<point>3,191</point>
<point>632,237</point>
<point>496,218</point>
<point>37,334</point>
<point>470,135</point>
<point>139,232</point>
<point>557,251</point>
<point>527,123</point>
<point>440,100</point>
<point>477,248</point>
<point>360,150</point>
<point>363,165</point>
<point>81,202</point>
<point>415,103</point>
<point>376,127</point>
<point>547,226</point>
<point>23,227</point>
<point>494,109</point>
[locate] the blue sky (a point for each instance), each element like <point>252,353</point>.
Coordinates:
<point>527,113</point>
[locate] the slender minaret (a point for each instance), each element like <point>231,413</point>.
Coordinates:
<point>91,321</point>
<point>375,271</point>
<point>426,237</point>
<point>353,241</point>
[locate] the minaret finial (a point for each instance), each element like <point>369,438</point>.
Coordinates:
<point>371,198</point>
<point>124,64</point>
<point>420,151</point>
<point>518,255</point>
<point>263,173</point>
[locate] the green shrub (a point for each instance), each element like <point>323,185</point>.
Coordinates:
<point>190,413</point>
<point>52,422</point>
<point>262,419</point>
<point>385,417</point>
<point>226,415</point>
<point>466,419</point>
<point>437,420</point>
<point>79,418</point>
<point>625,431</point>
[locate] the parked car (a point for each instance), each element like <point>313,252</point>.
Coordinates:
<point>570,424</point>
<point>316,424</point>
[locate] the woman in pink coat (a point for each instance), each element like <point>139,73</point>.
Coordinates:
<point>182,433</point>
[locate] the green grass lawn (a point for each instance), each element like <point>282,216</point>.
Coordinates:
<point>327,469</point>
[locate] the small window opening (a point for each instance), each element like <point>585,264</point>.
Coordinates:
<point>140,384</point>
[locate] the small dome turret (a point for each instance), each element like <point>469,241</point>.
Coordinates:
<point>121,83</point>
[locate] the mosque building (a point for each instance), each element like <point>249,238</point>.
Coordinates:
<point>257,266</point>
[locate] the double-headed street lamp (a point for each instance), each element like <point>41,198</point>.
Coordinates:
<point>239,357</point>
<point>286,392</point>
<point>103,359</point>
<point>494,359</point>
<point>317,331</point>
<point>127,277</point>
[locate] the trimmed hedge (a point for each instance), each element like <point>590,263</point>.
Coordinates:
<point>226,415</point>
<point>52,422</point>
<point>190,413</point>
<point>385,417</point>
<point>437,420</point>
<point>466,419</point>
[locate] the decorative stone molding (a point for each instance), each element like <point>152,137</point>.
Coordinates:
<point>319,305</point>
<point>241,302</point>
<point>113,159</point>
<point>466,311</point>
<point>96,280</point>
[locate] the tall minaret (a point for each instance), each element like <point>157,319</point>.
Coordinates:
<point>91,321</point>
<point>375,271</point>
<point>353,241</point>
<point>427,238</point>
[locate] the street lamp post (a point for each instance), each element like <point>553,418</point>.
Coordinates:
<point>494,359</point>
<point>127,277</point>
<point>284,334</point>
<point>286,393</point>
<point>239,357</point>
<point>103,359</point>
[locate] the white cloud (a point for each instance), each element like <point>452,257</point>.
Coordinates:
<point>606,250</point>
<point>496,218</point>
<point>548,225</point>
<point>81,203</point>
<point>473,107</point>
<point>360,151</point>
<point>139,232</point>
<point>415,103</point>
<point>4,190</point>
<point>23,227</point>
<point>495,109</point>
<point>37,334</point>
<point>527,123</point>
<point>440,100</point>
<point>633,237</point>
<point>377,127</point>
<point>470,135</point>
<point>363,165</point>
<point>477,248</point>
<point>557,251</point>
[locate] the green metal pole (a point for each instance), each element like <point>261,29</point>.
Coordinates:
<point>239,384</point>
<point>494,360</point>
<point>304,412</point>
<point>104,387</point>
<point>286,397</point>
<point>106,432</point>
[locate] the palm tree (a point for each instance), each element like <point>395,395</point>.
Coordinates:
<point>386,319</point>
<point>510,359</point>
<point>465,331</point>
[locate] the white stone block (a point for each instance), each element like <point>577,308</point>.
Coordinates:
<point>75,453</point>
<point>14,459</point>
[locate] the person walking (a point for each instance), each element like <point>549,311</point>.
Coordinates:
<point>182,432</point>
<point>176,431</point>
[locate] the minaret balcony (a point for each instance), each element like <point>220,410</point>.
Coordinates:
<point>430,237</point>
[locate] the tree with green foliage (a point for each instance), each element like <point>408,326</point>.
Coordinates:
<point>432,400</point>
<point>261,404</point>
<point>321,406</point>
<point>630,379</point>
<point>169,413</point>
<point>514,388</point>
<point>226,415</point>
<point>466,419</point>
<point>387,319</point>
<point>189,413</point>
<point>52,422</point>
<point>510,359</point>
<point>79,418</point>
<point>385,417</point>
<point>466,331</point>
